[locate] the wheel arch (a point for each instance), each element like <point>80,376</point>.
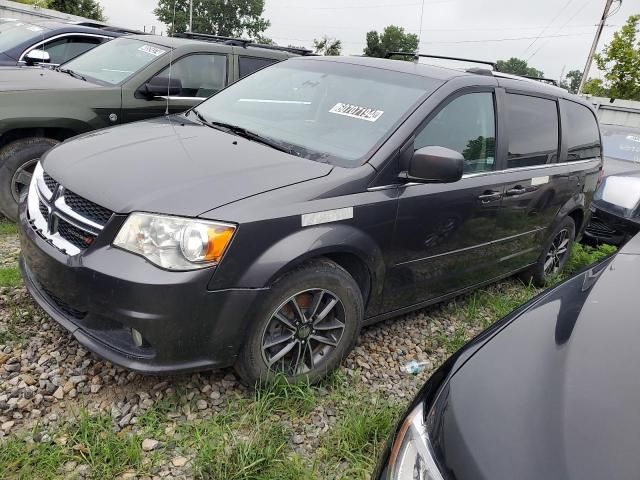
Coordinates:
<point>55,133</point>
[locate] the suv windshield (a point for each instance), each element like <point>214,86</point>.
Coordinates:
<point>14,33</point>
<point>115,61</point>
<point>622,143</point>
<point>323,110</point>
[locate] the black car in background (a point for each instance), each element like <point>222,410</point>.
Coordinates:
<point>549,392</point>
<point>264,227</point>
<point>616,204</point>
<point>50,42</point>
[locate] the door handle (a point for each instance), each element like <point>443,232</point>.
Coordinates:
<point>490,196</point>
<point>517,190</point>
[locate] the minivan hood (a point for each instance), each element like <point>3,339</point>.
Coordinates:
<point>555,394</point>
<point>172,165</point>
<point>35,78</point>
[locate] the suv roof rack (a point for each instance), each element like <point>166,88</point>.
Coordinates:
<point>240,42</point>
<point>541,79</point>
<point>416,56</point>
<point>105,27</point>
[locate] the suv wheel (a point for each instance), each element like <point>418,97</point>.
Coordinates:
<point>17,161</point>
<point>306,327</point>
<point>555,254</point>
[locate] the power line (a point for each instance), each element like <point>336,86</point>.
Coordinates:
<point>344,7</point>
<point>549,24</point>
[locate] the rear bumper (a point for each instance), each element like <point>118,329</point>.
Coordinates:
<point>605,227</point>
<point>103,293</point>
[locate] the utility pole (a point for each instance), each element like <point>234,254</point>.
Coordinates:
<point>191,15</point>
<point>587,67</point>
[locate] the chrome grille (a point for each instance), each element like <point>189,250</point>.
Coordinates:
<point>598,227</point>
<point>68,221</point>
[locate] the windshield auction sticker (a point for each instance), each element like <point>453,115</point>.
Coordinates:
<point>355,111</point>
<point>156,52</point>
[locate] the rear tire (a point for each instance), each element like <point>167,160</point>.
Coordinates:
<point>307,342</point>
<point>17,161</point>
<point>555,254</point>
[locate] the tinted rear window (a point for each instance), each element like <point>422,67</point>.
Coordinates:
<point>248,65</point>
<point>532,130</point>
<point>582,135</point>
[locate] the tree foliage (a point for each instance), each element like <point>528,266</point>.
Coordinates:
<point>82,8</point>
<point>620,60</point>
<point>229,18</point>
<point>393,39</point>
<point>327,46</point>
<point>572,81</point>
<point>595,87</point>
<point>517,66</point>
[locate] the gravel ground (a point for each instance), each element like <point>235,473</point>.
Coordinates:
<point>46,377</point>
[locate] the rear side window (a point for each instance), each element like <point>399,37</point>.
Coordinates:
<point>582,135</point>
<point>248,65</point>
<point>532,131</point>
<point>466,125</point>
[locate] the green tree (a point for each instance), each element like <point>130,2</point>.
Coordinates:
<point>327,46</point>
<point>229,18</point>
<point>37,3</point>
<point>517,66</point>
<point>595,87</point>
<point>620,60</point>
<point>82,8</point>
<point>572,81</point>
<point>393,39</point>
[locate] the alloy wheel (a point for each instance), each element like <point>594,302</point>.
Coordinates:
<point>557,253</point>
<point>21,179</point>
<point>303,331</point>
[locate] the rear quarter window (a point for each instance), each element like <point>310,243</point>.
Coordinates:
<point>248,65</point>
<point>532,130</point>
<point>582,134</point>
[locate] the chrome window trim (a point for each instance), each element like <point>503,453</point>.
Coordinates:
<point>491,172</point>
<point>56,37</point>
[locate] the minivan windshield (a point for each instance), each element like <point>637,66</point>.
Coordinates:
<point>326,111</point>
<point>115,61</point>
<point>15,33</point>
<point>622,143</point>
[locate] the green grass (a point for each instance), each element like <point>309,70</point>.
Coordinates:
<point>7,227</point>
<point>584,255</point>
<point>10,277</point>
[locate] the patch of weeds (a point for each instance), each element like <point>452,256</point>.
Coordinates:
<point>93,441</point>
<point>7,227</point>
<point>360,435</point>
<point>584,255</point>
<point>282,397</point>
<point>10,277</point>
<point>154,420</point>
<point>19,459</point>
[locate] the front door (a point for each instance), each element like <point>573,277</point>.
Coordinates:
<point>444,232</point>
<point>200,75</point>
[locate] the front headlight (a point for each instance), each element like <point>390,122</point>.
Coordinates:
<point>175,243</point>
<point>411,457</point>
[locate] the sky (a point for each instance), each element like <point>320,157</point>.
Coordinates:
<point>553,35</point>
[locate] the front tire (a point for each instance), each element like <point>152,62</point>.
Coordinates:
<point>555,254</point>
<point>306,327</point>
<point>17,161</point>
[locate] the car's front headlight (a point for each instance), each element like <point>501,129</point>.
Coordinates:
<point>175,243</point>
<point>411,456</point>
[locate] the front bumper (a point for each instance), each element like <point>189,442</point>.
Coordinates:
<point>104,292</point>
<point>605,227</point>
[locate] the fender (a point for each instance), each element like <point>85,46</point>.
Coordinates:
<point>314,242</point>
<point>576,202</point>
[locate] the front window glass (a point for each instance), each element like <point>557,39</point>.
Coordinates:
<point>326,111</point>
<point>115,61</point>
<point>466,125</point>
<point>622,143</point>
<point>65,49</point>
<point>200,75</point>
<point>14,33</point>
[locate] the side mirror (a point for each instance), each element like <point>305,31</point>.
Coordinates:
<point>161,87</point>
<point>435,165</point>
<point>37,56</point>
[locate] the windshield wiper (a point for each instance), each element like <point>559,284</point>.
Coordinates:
<point>68,71</point>
<point>248,134</point>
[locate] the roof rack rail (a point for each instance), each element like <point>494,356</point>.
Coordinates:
<point>240,42</point>
<point>541,79</point>
<point>441,57</point>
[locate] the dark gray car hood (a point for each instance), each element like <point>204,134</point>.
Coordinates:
<point>619,192</point>
<point>166,166</point>
<point>555,395</point>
